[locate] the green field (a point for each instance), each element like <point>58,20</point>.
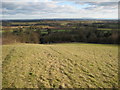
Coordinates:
<point>60,65</point>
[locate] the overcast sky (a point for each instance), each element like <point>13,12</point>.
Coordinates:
<point>44,9</point>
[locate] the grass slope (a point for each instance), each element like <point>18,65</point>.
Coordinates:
<point>60,65</point>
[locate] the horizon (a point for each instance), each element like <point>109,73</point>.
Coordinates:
<point>64,19</point>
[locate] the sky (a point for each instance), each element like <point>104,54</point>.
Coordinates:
<point>49,9</point>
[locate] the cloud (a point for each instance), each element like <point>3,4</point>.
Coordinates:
<point>26,0</point>
<point>102,6</point>
<point>78,1</point>
<point>35,7</point>
<point>58,9</point>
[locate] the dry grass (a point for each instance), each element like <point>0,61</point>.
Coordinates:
<point>60,65</point>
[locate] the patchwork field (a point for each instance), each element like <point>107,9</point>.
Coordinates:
<point>60,66</point>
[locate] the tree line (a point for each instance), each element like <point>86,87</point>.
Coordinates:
<point>87,35</point>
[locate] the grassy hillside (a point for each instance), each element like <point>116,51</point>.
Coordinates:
<point>60,65</point>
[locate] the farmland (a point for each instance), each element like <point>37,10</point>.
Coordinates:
<point>60,31</point>
<point>60,54</point>
<point>68,65</point>
<point>59,24</point>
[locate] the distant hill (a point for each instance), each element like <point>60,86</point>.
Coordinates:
<point>58,19</point>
